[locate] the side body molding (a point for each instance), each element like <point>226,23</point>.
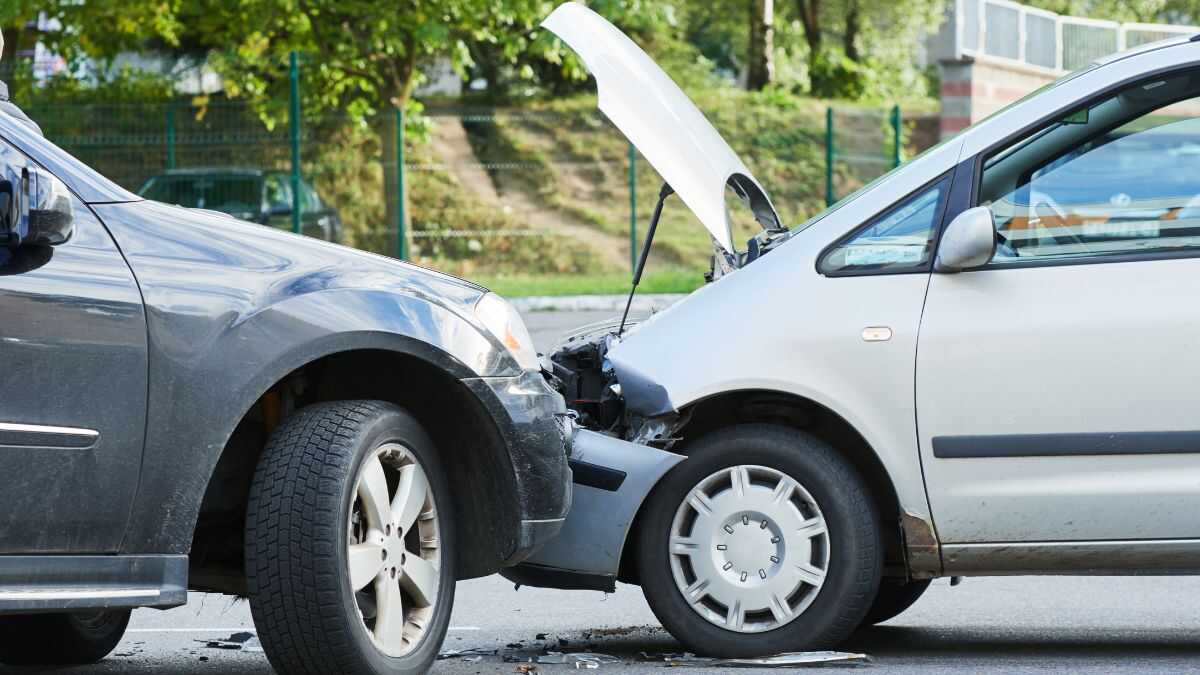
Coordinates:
<point>587,552</point>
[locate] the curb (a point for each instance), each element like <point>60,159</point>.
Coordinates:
<point>650,302</point>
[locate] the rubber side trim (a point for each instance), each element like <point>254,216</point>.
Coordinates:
<point>1066,445</point>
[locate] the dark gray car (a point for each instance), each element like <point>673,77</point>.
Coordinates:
<point>194,402</point>
<point>256,195</point>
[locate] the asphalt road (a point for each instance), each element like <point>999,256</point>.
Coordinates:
<point>1010,625</point>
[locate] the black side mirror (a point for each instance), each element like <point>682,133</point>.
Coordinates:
<point>35,209</point>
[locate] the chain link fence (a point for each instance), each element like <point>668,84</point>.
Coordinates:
<point>550,190</point>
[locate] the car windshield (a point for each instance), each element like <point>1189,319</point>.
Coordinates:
<point>231,194</point>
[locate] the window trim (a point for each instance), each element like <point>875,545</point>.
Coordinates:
<point>936,234</point>
<point>977,162</point>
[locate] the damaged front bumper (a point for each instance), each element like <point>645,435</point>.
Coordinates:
<point>537,429</point>
<point>612,478</point>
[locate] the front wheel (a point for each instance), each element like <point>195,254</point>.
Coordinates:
<point>60,639</point>
<point>763,541</point>
<point>350,543</point>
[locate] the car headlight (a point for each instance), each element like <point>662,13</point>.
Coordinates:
<point>503,321</point>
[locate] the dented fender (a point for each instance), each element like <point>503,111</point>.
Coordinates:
<point>612,478</point>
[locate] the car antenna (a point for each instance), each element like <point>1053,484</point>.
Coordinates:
<point>663,193</point>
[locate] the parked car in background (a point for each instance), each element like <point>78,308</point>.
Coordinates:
<point>259,196</point>
<point>193,402</point>
<point>984,363</point>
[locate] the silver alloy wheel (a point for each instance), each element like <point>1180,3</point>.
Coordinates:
<point>394,553</point>
<point>749,549</point>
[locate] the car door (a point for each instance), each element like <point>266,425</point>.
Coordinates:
<point>1057,396</point>
<point>73,376</point>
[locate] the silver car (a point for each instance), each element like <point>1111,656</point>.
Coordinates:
<point>985,363</point>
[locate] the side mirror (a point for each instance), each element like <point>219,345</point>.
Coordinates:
<point>35,209</point>
<point>969,241</point>
<point>279,209</point>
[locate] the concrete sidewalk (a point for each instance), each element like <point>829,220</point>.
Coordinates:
<point>650,302</point>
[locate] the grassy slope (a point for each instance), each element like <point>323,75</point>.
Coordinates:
<point>670,280</point>
<point>563,154</point>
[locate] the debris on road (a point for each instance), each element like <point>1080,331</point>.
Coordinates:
<point>244,641</point>
<point>553,652</point>
<point>517,653</point>
<point>473,654</point>
<point>587,660</point>
<point>784,660</point>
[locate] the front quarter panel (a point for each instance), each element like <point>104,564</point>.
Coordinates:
<point>778,325</point>
<point>232,308</point>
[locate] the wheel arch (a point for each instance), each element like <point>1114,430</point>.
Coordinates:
<point>417,377</point>
<point>795,411</point>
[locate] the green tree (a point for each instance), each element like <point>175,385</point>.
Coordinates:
<point>858,49</point>
<point>1141,11</point>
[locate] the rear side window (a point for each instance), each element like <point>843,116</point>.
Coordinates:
<point>900,240</point>
<point>278,193</point>
<point>309,203</point>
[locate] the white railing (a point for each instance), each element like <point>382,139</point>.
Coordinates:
<point>1009,31</point>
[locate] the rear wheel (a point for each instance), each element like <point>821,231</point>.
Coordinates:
<point>60,639</point>
<point>763,541</point>
<point>349,543</point>
<point>894,597</point>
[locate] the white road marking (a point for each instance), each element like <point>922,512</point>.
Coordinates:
<point>239,629</point>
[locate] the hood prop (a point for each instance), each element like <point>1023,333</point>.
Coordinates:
<point>663,193</point>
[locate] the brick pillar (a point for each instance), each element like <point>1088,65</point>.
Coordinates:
<point>972,90</point>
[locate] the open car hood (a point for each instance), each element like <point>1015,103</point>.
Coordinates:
<point>662,122</point>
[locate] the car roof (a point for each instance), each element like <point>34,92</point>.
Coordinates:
<point>219,171</point>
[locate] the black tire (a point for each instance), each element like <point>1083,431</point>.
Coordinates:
<point>300,503</point>
<point>894,597</point>
<point>60,639</point>
<point>855,551</point>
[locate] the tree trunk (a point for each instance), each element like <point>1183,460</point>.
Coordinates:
<point>853,25</point>
<point>761,66</point>
<point>810,19</point>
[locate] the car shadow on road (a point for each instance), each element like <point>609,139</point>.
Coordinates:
<point>1032,643</point>
<point>981,646</point>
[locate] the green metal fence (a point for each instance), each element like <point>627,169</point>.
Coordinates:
<point>546,189</point>
<point>860,144</point>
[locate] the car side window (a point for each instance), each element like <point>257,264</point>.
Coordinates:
<point>899,240</point>
<point>1117,178</point>
<point>309,203</point>
<point>279,193</point>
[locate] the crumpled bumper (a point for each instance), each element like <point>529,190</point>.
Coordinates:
<point>612,479</point>
<point>537,429</point>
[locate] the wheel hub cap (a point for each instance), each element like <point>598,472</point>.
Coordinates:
<point>749,548</point>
